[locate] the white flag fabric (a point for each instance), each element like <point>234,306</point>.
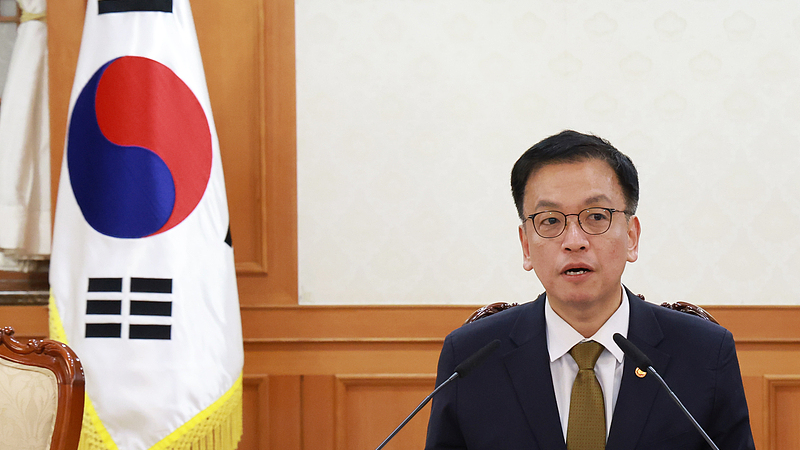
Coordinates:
<point>142,273</point>
<point>25,145</point>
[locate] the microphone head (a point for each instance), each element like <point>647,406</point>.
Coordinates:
<point>631,351</point>
<point>477,358</point>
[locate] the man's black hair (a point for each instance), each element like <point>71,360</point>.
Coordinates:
<point>571,146</point>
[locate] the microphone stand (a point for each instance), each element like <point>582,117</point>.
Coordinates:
<point>641,361</point>
<point>417,409</point>
<point>683,408</point>
<point>462,370</point>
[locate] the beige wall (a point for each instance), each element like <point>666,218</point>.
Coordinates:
<point>411,113</point>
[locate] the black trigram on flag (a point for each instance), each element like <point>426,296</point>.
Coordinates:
<point>121,6</point>
<point>141,307</point>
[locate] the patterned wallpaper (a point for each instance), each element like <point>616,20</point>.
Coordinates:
<point>410,114</point>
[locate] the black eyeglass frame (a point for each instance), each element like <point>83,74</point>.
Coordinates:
<point>611,212</point>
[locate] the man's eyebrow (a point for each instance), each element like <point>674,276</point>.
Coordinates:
<point>596,199</point>
<point>545,204</point>
<point>602,198</point>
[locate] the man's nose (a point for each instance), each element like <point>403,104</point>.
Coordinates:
<point>574,236</point>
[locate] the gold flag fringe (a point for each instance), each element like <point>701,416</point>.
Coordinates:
<point>218,427</point>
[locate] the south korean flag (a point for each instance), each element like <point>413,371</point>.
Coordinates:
<point>142,272</point>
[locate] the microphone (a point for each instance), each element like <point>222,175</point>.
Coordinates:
<point>476,359</point>
<point>643,363</point>
<point>631,351</point>
<point>461,371</point>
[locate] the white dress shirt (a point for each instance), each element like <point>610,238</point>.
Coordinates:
<point>561,337</point>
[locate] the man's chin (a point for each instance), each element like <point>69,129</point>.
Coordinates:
<point>575,297</point>
<point>580,298</point>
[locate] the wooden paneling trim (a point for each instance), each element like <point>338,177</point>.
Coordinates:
<point>754,324</point>
<point>259,264</point>
<point>330,342</point>
<point>18,288</point>
<point>342,358</point>
<point>319,358</point>
<point>754,327</point>
<point>750,325</point>
<point>781,421</point>
<point>64,30</point>
<point>279,152</point>
<point>311,322</point>
<point>235,70</point>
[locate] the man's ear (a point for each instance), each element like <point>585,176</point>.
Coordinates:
<point>634,231</point>
<point>527,264</point>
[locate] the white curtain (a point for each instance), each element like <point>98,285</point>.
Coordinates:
<point>25,147</point>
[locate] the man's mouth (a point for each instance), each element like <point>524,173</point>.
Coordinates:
<point>576,271</point>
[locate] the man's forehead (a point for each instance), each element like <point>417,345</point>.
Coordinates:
<point>586,182</point>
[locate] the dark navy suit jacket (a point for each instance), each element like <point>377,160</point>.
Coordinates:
<point>508,402</point>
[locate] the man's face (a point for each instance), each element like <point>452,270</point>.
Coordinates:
<point>577,269</point>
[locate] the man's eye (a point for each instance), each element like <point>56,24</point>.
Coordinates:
<point>597,217</point>
<point>549,221</point>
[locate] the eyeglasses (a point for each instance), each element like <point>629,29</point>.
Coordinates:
<point>550,224</point>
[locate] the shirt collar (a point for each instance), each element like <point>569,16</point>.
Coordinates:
<point>561,337</point>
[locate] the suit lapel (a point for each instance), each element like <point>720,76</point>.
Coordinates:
<point>529,368</point>
<point>636,395</point>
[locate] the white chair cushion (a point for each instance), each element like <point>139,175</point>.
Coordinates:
<point>28,405</point>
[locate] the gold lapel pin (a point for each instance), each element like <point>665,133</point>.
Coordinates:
<point>640,373</point>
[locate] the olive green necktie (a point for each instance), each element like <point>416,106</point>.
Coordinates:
<point>586,429</point>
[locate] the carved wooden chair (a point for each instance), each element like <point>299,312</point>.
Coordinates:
<point>492,308</point>
<point>41,394</point>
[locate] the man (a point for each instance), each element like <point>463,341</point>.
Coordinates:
<point>577,196</point>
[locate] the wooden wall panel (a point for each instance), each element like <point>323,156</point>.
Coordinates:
<point>315,377</point>
<point>255,408</point>
<point>28,322</point>
<point>760,362</point>
<point>64,29</point>
<point>782,411</point>
<point>234,68</point>
<point>369,407</point>
<point>285,422</point>
<point>752,388</point>
<point>376,342</point>
<point>319,411</point>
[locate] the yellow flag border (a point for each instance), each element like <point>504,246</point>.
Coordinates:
<point>218,427</point>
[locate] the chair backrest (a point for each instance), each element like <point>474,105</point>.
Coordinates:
<point>686,307</point>
<point>690,309</point>
<point>41,394</point>
<point>488,310</point>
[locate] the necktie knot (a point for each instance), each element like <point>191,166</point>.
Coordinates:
<point>586,354</point>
